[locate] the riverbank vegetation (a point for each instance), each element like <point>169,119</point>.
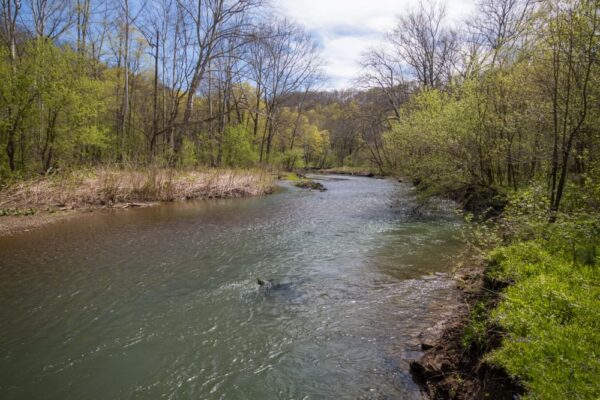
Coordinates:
<point>105,187</point>
<point>48,199</point>
<point>530,326</point>
<point>162,83</point>
<point>512,134</point>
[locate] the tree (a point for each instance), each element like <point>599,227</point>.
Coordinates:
<point>383,71</point>
<point>571,40</point>
<point>51,18</point>
<point>212,21</point>
<point>421,40</point>
<point>290,64</point>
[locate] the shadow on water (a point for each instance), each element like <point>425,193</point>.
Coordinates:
<point>164,301</point>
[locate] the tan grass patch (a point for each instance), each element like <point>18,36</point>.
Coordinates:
<point>105,187</point>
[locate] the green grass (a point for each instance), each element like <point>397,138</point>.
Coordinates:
<point>291,176</point>
<point>476,328</point>
<point>551,315</point>
<point>17,211</point>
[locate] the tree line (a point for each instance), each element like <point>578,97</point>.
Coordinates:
<point>509,99</point>
<point>175,82</point>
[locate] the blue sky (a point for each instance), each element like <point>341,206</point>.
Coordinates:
<point>347,28</point>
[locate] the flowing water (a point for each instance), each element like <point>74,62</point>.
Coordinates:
<point>163,302</point>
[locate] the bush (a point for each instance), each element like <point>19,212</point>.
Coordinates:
<point>291,160</point>
<point>238,147</point>
<point>552,320</point>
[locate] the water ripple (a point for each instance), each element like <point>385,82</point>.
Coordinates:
<point>163,302</point>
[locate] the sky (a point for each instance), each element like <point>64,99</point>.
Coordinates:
<point>345,29</point>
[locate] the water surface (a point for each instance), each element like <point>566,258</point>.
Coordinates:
<point>163,302</point>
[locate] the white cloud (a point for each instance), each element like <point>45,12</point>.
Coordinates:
<point>347,28</point>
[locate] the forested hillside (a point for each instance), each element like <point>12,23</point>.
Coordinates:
<point>506,98</point>
<point>166,82</point>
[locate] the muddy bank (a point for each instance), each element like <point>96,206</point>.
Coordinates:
<point>12,224</point>
<point>30,204</point>
<point>454,368</point>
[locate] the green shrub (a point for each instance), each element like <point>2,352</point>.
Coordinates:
<point>475,331</point>
<point>291,159</point>
<point>552,320</point>
<point>238,147</point>
<point>518,261</point>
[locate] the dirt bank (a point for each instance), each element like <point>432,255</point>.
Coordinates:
<point>33,203</point>
<point>450,369</point>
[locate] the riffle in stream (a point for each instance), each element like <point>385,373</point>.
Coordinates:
<point>163,302</point>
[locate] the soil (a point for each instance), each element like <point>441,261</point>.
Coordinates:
<point>447,370</point>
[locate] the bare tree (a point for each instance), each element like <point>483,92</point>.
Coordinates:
<point>10,14</point>
<point>422,41</point>
<point>212,21</point>
<point>291,63</point>
<point>500,25</point>
<point>382,70</point>
<point>256,57</point>
<point>51,18</point>
<point>82,14</point>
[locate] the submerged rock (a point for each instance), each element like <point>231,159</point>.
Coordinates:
<point>266,285</point>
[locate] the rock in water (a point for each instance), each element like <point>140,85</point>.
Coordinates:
<point>311,185</point>
<point>267,285</point>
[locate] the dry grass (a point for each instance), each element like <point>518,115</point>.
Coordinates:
<point>107,187</point>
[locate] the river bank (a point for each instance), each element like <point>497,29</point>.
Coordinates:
<point>528,324</point>
<point>451,368</point>
<point>32,203</point>
<point>351,171</point>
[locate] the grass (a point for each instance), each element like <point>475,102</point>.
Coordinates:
<point>105,187</point>
<point>475,333</point>
<point>291,176</point>
<point>551,318</point>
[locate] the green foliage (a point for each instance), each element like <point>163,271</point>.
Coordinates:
<point>54,110</point>
<point>238,147</point>
<point>481,236</point>
<point>432,138</point>
<point>476,329</point>
<point>519,261</point>
<point>551,310</point>
<point>575,235</point>
<point>291,159</point>
<point>292,176</point>
<point>188,153</point>
<point>17,211</point>
<point>552,318</point>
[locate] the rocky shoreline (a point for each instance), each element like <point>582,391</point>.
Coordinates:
<point>448,369</point>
